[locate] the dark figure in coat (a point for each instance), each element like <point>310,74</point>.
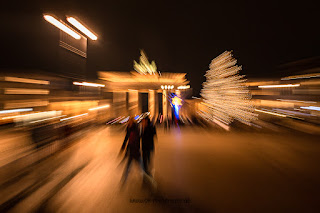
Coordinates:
<point>147,135</point>
<point>132,142</point>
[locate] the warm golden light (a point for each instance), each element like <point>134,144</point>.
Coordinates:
<point>26,80</point>
<point>61,26</point>
<point>271,113</point>
<point>100,107</point>
<point>76,116</point>
<point>88,84</point>
<point>279,86</point>
<point>184,87</point>
<point>82,28</point>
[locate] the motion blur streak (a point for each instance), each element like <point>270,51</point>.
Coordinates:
<point>279,86</point>
<point>26,80</point>
<point>15,110</point>
<point>271,113</point>
<point>61,26</point>
<point>88,84</point>
<point>100,107</point>
<point>76,116</point>
<point>312,108</point>
<point>82,28</point>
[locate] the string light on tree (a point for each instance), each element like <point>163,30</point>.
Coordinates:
<point>224,93</point>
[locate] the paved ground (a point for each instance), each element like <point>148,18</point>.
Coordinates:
<point>194,171</point>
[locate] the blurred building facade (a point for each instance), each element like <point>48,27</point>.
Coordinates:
<point>127,89</point>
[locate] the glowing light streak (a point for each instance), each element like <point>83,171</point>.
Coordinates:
<point>47,119</point>
<point>271,113</point>
<point>15,110</point>
<point>307,102</point>
<point>61,26</point>
<point>184,87</point>
<point>115,120</point>
<point>100,107</point>
<point>124,120</point>
<point>279,86</point>
<point>88,84</point>
<point>18,91</point>
<point>314,75</point>
<point>76,116</point>
<point>26,80</point>
<point>311,108</point>
<point>82,28</point>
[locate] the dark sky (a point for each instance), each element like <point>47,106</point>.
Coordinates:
<point>185,36</point>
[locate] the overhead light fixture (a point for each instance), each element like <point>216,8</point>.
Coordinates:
<point>61,26</point>
<point>82,28</point>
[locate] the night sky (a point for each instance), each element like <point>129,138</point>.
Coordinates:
<point>181,36</point>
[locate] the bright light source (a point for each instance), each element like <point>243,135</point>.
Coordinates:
<point>17,91</point>
<point>82,28</point>
<point>311,108</point>
<point>313,102</point>
<point>76,116</point>
<point>100,107</point>
<point>184,87</point>
<point>162,87</point>
<point>88,84</point>
<point>279,86</point>
<point>271,113</point>
<point>313,75</point>
<point>166,87</point>
<point>26,80</point>
<point>15,110</point>
<point>61,26</point>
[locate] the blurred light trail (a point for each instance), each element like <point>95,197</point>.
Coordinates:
<point>124,120</point>
<point>26,80</point>
<point>47,119</point>
<point>279,86</point>
<point>61,26</point>
<point>115,120</point>
<point>286,100</point>
<point>88,84</point>
<point>15,110</point>
<point>82,28</point>
<point>17,91</point>
<point>314,75</point>
<point>100,107</point>
<point>289,112</point>
<point>311,108</point>
<point>184,87</point>
<point>271,113</point>
<point>76,116</point>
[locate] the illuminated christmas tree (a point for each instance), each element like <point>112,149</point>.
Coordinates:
<point>225,95</point>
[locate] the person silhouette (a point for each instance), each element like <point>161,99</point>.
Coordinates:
<point>131,146</point>
<point>147,135</point>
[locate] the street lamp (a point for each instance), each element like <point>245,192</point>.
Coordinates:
<point>82,28</point>
<point>61,26</point>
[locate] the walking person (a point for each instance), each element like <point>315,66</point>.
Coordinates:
<point>131,146</point>
<point>147,135</point>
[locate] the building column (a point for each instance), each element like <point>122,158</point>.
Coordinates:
<point>119,107</point>
<point>134,103</point>
<point>153,105</point>
<point>164,105</point>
